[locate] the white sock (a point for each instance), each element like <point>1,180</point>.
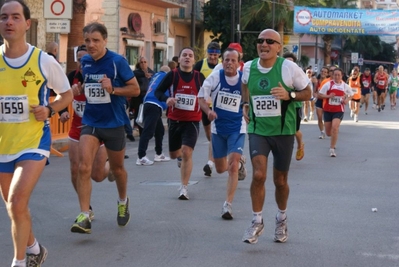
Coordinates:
<point>122,201</point>
<point>210,163</point>
<point>281,216</point>
<point>257,217</point>
<point>228,203</point>
<point>18,263</point>
<point>34,248</point>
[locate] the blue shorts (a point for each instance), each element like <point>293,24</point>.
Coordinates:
<point>9,167</point>
<point>329,116</point>
<point>224,144</point>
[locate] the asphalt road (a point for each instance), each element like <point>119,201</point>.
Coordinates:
<point>330,217</point>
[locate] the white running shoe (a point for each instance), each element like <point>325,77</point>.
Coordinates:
<point>183,193</point>
<point>332,153</point>
<point>322,135</point>
<point>162,157</point>
<point>305,119</point>
<point>311,116</point>
<point>352,113</point>
<point>356,118</point>
<point>144,161</point>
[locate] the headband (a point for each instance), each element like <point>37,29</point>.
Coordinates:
<point>213,51</point>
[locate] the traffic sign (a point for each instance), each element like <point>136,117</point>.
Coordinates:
<point>58,25</point>
<point>57,9</point>
<point>360,61</point>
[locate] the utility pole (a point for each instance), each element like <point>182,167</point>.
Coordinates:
<point>239,22</point>
<point>233,23</point>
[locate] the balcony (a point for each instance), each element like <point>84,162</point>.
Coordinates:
<point>183,15</point>
<point>167,3</point>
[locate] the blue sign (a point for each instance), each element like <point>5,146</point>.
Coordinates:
<point>345,21</point>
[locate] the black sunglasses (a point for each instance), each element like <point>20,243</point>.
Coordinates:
<point>268,41</point>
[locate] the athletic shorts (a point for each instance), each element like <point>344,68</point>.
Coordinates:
<point>9,167</point>
<point>380,91</point>
<point>329,116</point>
<point>113,138</point>
<point>280,146</point>
<point>74,133</point>
<point>393,91</point>
<point>365,91</point>
<point>319,103</point>
<point>298,118</point>
<point>355,100</point>
<point>205,120</point>
<point>225,144</point>
<point>182,133</point>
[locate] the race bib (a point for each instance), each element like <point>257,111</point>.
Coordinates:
<point>79,107</point>
<point>366,84</point>
<point>228,101</point>
<point>355,90</point>
<point>95,94</point>
<point>335,101</point>
<point>381,82</point>
<point>266,106</point>
<point>14,109</point>
<point>185,102</point>
<point>395,84</point>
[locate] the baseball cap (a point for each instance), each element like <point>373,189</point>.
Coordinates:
<point>236,46</point>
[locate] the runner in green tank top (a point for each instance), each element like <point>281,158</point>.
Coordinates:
<point>269,98</point>
<point>393,88</point>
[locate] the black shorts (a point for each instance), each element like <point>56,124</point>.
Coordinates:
<point>365,91</point>
<point>329,116</point>
<point>298,118</point>
<point>355,100</point>
<point>113,138</point>
<point>319,103</point>
<point>280,146</point>
<point>380,91</point>
<point>205,120</point>
<point>182,133</point>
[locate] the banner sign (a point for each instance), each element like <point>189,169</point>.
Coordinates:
<point>345,21</point>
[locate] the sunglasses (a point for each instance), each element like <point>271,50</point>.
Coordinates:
<point>268,41</point>
<point>143,61</point>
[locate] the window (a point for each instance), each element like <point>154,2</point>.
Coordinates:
<point>132,54</point>
<point>158,59</point>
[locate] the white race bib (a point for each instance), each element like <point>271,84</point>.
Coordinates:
<point>381,82</point>
<point>266,106</point>
<point>355,90</point>
<point>95,94</point>
<point>335,101</point>
<point>366,84</point>
<point>185,102</point>
<point>228,101</point>
<point>14,109</point>
<point>395,84</point>
<point>79,107</point>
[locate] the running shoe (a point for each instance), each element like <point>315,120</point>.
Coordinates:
<point>355,118</point>
<point>227,212</point>
<point>322,135</point>
<point>162,157</point>
<point>130,137</point>
<point>207,170</point>
<point>183,195</point>
<point>253,232</point>
<point>91,214</point>
<point>379,109</point>
<point>332,153</point>
<point>311,116</point>
<point>33,260</point>
<point>82,225</point>
<point>374,106</point>
<point>352,113</point>
<point>300,153</point>
<point>281,232</point>
<point>144,161</point>
<point>382,107</point>
<point>179,160</point>
<point>123,216</point>
<point>305,119</point>
<point>242,172</point>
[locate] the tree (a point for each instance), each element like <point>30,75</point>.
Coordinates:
<point>217,19</point>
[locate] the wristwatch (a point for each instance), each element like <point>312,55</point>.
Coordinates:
<point>292,95</point>
<point>52,112</point>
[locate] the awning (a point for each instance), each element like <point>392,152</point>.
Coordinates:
<point>132,42</point>
<point>162,46</point>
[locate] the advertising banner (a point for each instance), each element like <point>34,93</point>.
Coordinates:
<point>345,21</point>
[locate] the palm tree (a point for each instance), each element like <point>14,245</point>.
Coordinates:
<point>281,19</point>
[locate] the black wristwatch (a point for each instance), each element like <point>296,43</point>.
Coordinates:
<point>292,95</point>
<point>52,112</point>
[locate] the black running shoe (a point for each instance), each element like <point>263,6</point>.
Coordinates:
<point>123,213</point>
<point>82,225</point>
